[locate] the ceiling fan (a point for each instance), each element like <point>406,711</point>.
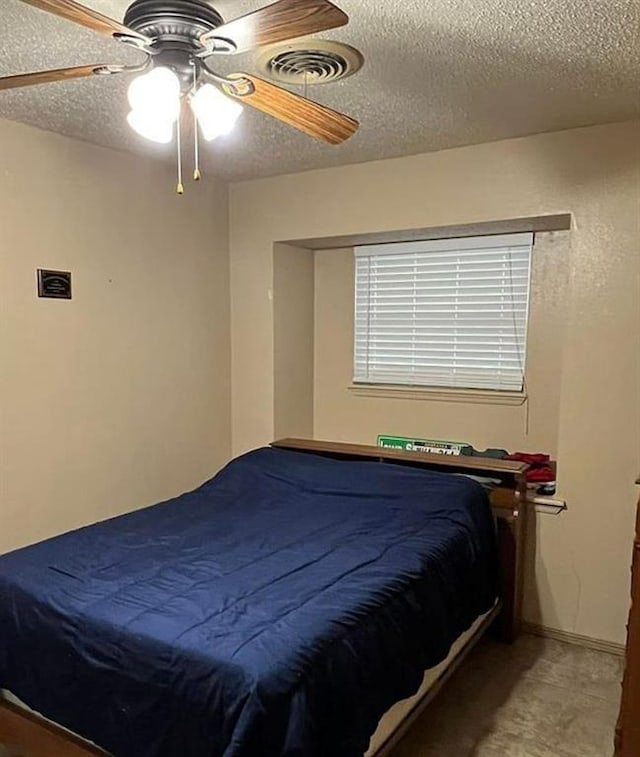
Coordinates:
<point>180,39</point>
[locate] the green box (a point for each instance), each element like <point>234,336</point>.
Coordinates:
<point>434,446</point>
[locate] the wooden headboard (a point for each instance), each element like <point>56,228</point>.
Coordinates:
<point>508,500</point>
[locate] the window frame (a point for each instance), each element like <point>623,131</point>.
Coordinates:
<point>494,395</point>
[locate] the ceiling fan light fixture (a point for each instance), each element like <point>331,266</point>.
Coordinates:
<point>150,126</point>
<point>216,113</point>
<point>178,37</point>
<point>155,104</point>
<point>157,91</point>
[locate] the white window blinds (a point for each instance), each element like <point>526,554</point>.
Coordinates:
<point>445,313</point>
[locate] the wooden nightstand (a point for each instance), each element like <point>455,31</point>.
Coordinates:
<point>628,729</point>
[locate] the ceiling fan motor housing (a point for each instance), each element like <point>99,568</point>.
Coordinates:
<point>176,28</point>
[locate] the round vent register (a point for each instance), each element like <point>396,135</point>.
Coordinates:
<point>309,61</point>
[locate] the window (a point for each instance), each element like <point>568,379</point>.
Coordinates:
<point>445,313</point>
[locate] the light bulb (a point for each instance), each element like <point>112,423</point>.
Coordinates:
<point>147,125</point>
<point>157,92</point>
<point>155,103</point>
<point>216,113</point>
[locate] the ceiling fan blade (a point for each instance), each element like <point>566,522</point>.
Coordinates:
<point>79,14</point>
<point>286,19</point>
<point>56,74</point>
<point>306,115</point>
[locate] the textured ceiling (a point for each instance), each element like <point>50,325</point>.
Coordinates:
<point>438,74</point>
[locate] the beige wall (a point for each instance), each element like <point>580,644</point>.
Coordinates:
<point>120,397</point>
<point>582,557</point>
<point>343,415</point>
<point>293,298</point>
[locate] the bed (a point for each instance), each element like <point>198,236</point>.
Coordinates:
<point>280,609</point>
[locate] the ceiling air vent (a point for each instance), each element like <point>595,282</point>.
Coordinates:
<point>309,61</point>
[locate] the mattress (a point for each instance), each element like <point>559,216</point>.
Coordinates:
<point>401,711</point>
<point>280,609</point>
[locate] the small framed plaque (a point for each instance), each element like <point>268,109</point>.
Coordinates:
<point>56,284</point>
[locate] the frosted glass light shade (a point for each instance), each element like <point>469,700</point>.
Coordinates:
<point>216,113</point>
<point>150,127</point>
<point>155,103</point>
<point>157,91</point>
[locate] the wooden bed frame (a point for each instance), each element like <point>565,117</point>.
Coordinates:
<point>26,734</point>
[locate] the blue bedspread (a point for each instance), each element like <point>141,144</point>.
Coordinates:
<point>277,610</point>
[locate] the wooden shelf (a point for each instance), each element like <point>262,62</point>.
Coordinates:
<point>456,462</point>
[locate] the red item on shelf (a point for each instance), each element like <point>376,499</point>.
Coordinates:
<point>540,469</point>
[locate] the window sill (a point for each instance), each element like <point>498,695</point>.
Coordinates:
<point>472,396</point>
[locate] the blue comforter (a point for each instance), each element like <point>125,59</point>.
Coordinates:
<point>277,610</point>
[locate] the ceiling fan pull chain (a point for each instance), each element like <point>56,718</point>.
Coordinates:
<point>180,186</point>
<point>196,171</point>
<point>196,136</point>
